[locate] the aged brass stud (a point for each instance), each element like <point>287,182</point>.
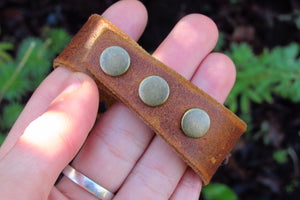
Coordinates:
<point>114,61</point>
<point>154,90</point>
<point>195,123</point>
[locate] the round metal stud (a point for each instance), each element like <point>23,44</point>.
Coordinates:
<point>195,123</point>
<point>114,61</point>
<point>154,90</point>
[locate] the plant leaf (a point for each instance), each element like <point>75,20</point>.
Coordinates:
<point>4,56</point>
<point>218,192</point>
<point>18,87</point>
<point>10,114</point>
<point>280,156</point>
<point>58,38</point>
<point>2,138</point>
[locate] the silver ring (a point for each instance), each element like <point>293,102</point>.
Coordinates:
<point>87,183</point>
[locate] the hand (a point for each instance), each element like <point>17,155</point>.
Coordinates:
<point>121,153</point>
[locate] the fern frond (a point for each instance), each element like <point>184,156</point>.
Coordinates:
<point>38,64</point>
<point>259,77</point>
<point>59,39</point>
<point>4,56</point>
<point>20,76</point>
<point>10,114</point>
<point>12,90</point>
<point>10,81</point>
<point>2,138</point>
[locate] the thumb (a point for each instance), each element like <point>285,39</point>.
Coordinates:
<point>30,169</point>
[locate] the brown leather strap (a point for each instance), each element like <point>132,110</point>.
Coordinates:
<point>204,155</point>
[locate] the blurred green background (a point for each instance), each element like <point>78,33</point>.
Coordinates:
<point>262,38</point>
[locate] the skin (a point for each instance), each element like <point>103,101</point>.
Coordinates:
<point>121,153</point>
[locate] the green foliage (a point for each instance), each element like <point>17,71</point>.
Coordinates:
<point>57,39</point>
<point>297,22</point>
<point>20,76</point>
<point>13,84</point>
<point>280,156</point>
<point>292,186</point>
<point>10,114</point>
<point>38,63</point>
<point>220,43</point>
<point>218,191</point>
<point>2,138</point>
<point>4,55</point>
<point>259,78</point>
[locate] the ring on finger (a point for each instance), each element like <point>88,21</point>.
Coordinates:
<point>87,183</point>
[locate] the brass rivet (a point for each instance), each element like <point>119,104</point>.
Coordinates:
<point>114,61</point>
<point>154,90</point>
<point>195,123</point>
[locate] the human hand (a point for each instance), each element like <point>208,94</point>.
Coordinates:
<point>121,153</point>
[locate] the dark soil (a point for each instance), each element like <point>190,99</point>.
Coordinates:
<point>251,171</point>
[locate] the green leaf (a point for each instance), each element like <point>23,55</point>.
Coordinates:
<point>17,88</point>
<point>10,114</point>
<point>231,103</point>
<point>218,192</point>
<point>4,56</point>
<point>290,53</point>
<point>254,96</point>
<point>220,42</point>
<point>6,46</point>
<point>58,39</point>
<point>2,138</point>
<point>280,156</point>
<point>38,64</point>
<point>37,51</point>
<point>245,104</point>
<point>292,186</point>
<point>21,75</point>
<point>260,77</point>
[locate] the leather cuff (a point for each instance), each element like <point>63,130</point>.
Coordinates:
<point>204,154</point>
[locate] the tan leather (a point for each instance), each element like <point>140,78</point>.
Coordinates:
<point>204,155</point>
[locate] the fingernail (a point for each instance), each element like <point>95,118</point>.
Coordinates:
<point>72,83</point>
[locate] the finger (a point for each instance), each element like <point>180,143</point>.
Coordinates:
<point>50,87</point>
<point>216,76</point>
<point>51,141</point>
<point>118,143</point>
<point>131,17</point>
<point>219,72</point>
<point>189,187</point>
<point>166,163</point>
<point>56,194</point>
<point>37,104</point>
<point>128,15</point>
<point>192,39</point>
<point>156,175</point>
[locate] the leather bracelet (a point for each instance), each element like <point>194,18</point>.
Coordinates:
<point>203,154</point>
